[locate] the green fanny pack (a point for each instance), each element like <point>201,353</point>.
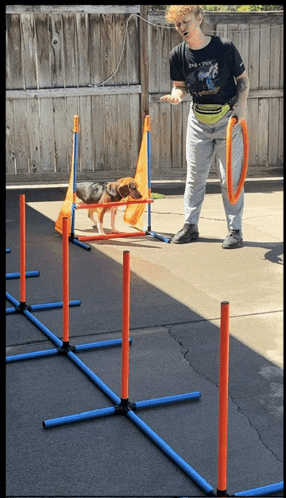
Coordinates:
<point>210,113</point>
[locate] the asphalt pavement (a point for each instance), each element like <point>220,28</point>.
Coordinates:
<point>176,291</point>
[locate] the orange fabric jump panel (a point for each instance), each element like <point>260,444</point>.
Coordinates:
<point>134,214</point>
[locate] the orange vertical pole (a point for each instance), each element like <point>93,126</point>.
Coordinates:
<point>65,280</point>
<point>223,399</point>
<point>125,326</point>
<point>22,249</point>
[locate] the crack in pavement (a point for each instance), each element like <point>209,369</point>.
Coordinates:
<point>239,409</point>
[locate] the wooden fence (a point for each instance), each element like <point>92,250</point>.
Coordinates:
<point>55,55</point>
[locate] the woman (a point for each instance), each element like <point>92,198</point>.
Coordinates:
<point>211,70</point>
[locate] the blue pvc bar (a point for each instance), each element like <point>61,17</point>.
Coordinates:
<point>264,491</point>
<point>7,251</point>
<point>38,307</point>
<point>100,344</point>
<point>97,381</point>
<point>49,306</point>
<point>149,175</point>
<point>199,480</point>
<point>28,274</point>
<point>10,311</point>
<point>80,244</point>
<point>43,329</point>
<point>12,299</point>
<point>167,400</point>
<point>70,419</point>
<point>160,237</point>
<point>31,356</point>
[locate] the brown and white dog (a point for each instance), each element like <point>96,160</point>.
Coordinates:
<point>94,193</point>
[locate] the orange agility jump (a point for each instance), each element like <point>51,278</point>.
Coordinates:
<point>135,209</point>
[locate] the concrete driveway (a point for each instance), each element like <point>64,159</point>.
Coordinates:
<point>176,291</point>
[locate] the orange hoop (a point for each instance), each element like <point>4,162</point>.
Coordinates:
<point>233,197</point>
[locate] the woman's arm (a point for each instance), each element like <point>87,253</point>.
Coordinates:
<point>179,92</point>
<point>242,94</point>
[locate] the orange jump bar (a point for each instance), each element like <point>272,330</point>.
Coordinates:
<point>112,204</point>
<point>110,236</point>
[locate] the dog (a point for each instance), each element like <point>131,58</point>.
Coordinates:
<point>94,193</point>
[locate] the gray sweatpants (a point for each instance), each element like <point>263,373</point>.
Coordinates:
<point>203,141</point>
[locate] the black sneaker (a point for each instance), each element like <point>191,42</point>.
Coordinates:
<point>188,233</point>
<point>233,240</point>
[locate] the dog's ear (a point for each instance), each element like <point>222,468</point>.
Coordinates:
<point>123,189</point>
<point>112,189</point>
<point>133,185</point>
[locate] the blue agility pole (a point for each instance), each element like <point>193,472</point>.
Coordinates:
<point>43,328</point>
<point>74,165</point>
<point>167,400</point>
<point>69,419</point>
<point>28,274</point>
<point>94,378</point>
<point>31,356</point>
<point>36,307</point>
<point>74,169</point>
<point>182,464</point>
<point>49,306</point>
<point>148,231</point>
<point>263,491</point>
<point>100,344</point>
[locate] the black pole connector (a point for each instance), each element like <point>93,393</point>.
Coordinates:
<point>22,307</point>
<point>124,407</point>
<point>212,493</point>
<point>222,492</point>
<point>66,348</point>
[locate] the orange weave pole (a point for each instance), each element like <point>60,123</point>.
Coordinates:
<point>233,197</point>
<point>65,279</point>
<point>125,326</point>
<point>22,249</point>
<point>223,398</point>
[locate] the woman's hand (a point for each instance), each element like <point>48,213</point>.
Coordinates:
<point>238,113</point>
<point>178,93</point>
<point>171,99</point>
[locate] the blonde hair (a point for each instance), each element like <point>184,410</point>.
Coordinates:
<point>175,12</point>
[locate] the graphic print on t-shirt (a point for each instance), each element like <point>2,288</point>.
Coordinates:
<point>206,72</point>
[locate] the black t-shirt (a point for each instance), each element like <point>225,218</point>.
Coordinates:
<point>208,72</point>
